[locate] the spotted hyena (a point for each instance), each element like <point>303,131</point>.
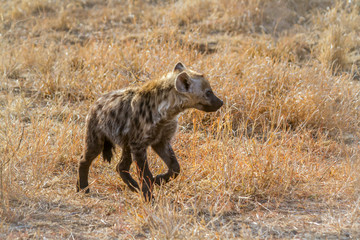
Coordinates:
<point>135,118</point>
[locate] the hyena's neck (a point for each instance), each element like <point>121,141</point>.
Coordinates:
<point>172,104</point>
<point>162,98</point>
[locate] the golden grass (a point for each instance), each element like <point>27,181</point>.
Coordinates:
<point>280,159</point>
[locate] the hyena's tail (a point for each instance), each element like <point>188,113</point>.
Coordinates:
<point>108,150</point>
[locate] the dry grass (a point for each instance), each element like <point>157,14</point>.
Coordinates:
<point>279,160</point>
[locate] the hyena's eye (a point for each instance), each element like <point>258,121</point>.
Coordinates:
<point>208,93</point>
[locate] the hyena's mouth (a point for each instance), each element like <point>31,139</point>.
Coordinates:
<point>211,108</point>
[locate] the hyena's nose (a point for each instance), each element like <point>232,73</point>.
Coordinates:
<point>219,103</point>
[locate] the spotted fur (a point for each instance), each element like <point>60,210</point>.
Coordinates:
<point>138,117</point>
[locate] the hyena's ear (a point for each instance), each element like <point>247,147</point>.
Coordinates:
<point>183,82</point>
<point>179,67</point>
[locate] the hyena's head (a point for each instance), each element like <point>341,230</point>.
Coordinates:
<point>198,90</point>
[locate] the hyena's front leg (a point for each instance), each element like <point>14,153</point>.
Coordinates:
<point>123,168</point>
<point>145,176</point>
<point>165,151</point>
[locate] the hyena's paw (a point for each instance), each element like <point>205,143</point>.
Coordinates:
<point>148,196</point>
<point>79,188</point>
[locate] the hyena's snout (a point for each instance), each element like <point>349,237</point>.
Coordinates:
<point>213,103</point>
<point>217,103</point>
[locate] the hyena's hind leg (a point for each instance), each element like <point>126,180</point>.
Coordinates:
<point>123,168</point>
<point>93,148</point>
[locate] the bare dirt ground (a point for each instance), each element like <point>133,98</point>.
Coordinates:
<point>280,159</point>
